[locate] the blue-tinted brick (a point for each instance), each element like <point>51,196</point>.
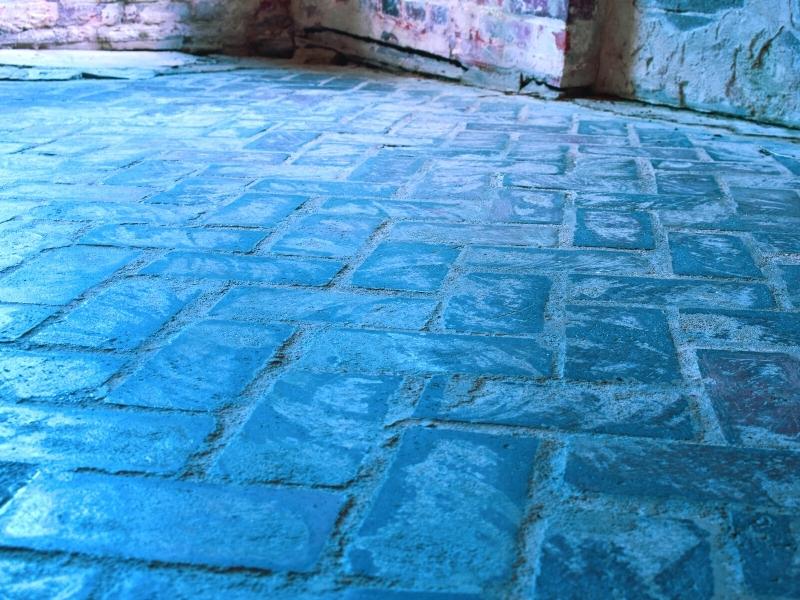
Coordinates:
<point>497,303</point>
<point>53,375</point>
<point>268,305</point>
<point>311,429</point>
<point>102,439</point>
<point>768,546</point>
<point>778,243</point>
<point>175,582</point>
<point>273,529</point>
<point>684,471</point>
<point>24,579</point>
<point>766,202</point>
<point>116,318</point>
<point>314,187</point>
<point>670,292</point>
<point>406,266</point>
<point>620,344</point>
<point>13,475</point>
<point>282,141</point>
<point>23,238</point>
<point>198,191</point>
<point>114,212</point>
<point>755,394</point>
<point>464,233</point>
<point>448,514</point>
<point>679,183</point>
<point>599,555</point>
<point>526,206</point>
<point>607,229</point>
<point>555,261</point>
<point>791,275</point>
<point>143,236</point>
<point>326,235</point>
<point>200,265</point>
<point>207,365</point>
<point>58,276</point>
<point>17,319</point>
<point>740,327</point>
<point>631,411</point>
<point>256,210</point>
<point>711,255</point>
<point>151,173</point>
<point>392,352</point>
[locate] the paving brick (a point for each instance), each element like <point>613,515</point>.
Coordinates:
<point>108,212</point>
<point>741,327</point>
<point>268,305</point>
<point>24,579</point>
<point>778,243</point>
<point>443,484</point>
<point>461,234</point>
<point>767,202</point>
<point>607,344</point>
<point>311,429</point>
<point>174,582</point>
<point>791,275</point>
<point>58,276</point>
<point>621,410</point>
<point>17,319</point>
<point>114,319</point>
<point>607,229</point>
<point>497,303</point>
<point>607,555</point>
<point>198,191</point>
<point>405,266</point>
<point>394,352</point>
<point>274,529</point>
<point>526,206</point>
<point>282,141</point>
<point>546,260</point>
<point>150,173</point>
<point>178,376</point>
<point>628,467</point>
<point>397,209</point>
<point>756,396</point>
<point>326,235</point>
<point>768,545</point>
<point>670,292</point>
<point>143,236</point>
<point>102,439</point>
<point>711,255</point>
<point>226,267</point>
<point>53,375</point>
<point>678,183</point>
<point>23,238</point>
<point>334,189</point>
<point>256,210</point>
<point>13,476</point>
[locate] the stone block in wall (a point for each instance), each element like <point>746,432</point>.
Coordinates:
<point>24,15</point>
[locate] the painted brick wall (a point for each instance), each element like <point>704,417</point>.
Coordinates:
<point>521,39</point>
<point>197,25</point>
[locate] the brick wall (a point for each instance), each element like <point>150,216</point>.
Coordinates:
<point>196,25</point>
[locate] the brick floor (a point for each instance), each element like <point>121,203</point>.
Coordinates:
<point>288,333</point>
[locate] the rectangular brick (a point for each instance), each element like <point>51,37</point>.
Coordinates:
<point>791,275</point>
<point>326,235</point>
<point>13,476</point>
<point>755,394</point>
<point>497,303</point>
<point>18,576</point>
<point>397,209</point>
<point>60,275</point>
<point>740,327</point>
<point>609,344</point>
<point>18,319</point>
<point>150,173</point>
<point>441,485</point>
<point>332,189</point>
<point>683,471</point>
<point>112,212</point>
<point>201,265</point>
<point>27,375</point>
<point>256,210</point>
<point>711,255</point>
<point>274,529</point>
<point>24,238</point>
<point>405,266</point>
<point>145,236</point>
<point>178,376</point>
<point>687,293</point>
<point>608,229</point>
<point>768,545</point>
<point>766,202</point>
<point>620,410</point>
<point>547,260</point>
<point>461,234</point>
<point>268,305</point>
<point>198,190</point>
<point>101,439</point>
<point>394,352</point>
<point>114,319</point>
<point>314,429</point>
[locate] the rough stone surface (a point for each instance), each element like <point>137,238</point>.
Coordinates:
<point>284,332</point>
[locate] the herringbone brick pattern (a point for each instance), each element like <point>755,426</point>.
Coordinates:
<point>290,333</point>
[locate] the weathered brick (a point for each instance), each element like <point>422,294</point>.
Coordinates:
<point>554,261</point>
<point>459,234</point>
<point>58,276</point>
<point>394,352</point>
<point>767,202</point>
<point>274,529</point>
<point>17,319</point>
<point>711,255</point>
<point>13,476</point>
<point>628,230</point>
<point>151,173</point>
<point>143,236</point>
<point>791,275</point>
<point>741,327</point>
<point>442,485</point>
<point>256,210</point>
<point>203,265</point>
<point>768,545</point>
<point>405,266</point>
<point>311,429</point>
<point>177,376</point>
<point>23,579</point>
<point>497,303</point>
<point>102,439</point>
<point>324,235</point>
<point>267,305</point>
<point>335,189</point>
